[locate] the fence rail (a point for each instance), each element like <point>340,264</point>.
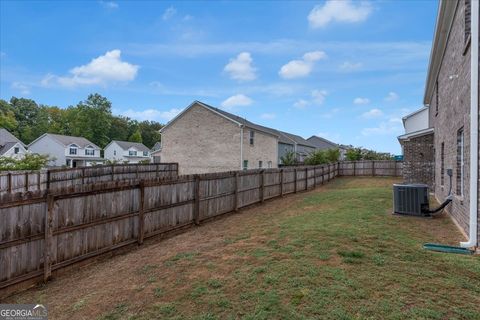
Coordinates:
<point>41,232</point>
<point>26,181</point>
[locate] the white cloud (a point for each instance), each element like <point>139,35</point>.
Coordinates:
<point>103,70</point>
<point>339,11</point>
<point>268,116</point>
<point>109,4</point>
<point>151,114</point>
<point>330,114</point>
<point>373,113</point>
<point>240,68</point>
<point>301,104</point>
<point>318,96</point>
<point>360,101</point>
<point>390,127</point>
<point>301,68</point>
<point>348,66</point>
<point>238,100</point>
<point>169,13</point>
<point>21,87</point>
<point>392,96</point>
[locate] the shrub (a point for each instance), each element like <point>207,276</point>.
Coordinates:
<point>28,162</point>
<point>289,159</point>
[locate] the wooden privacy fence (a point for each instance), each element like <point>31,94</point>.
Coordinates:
<point>371,168</point>
<point>41,232</point>
<point>25,181</point>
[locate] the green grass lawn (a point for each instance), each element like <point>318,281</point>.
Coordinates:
<point>333,253</point>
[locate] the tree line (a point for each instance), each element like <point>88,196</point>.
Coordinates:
<point>91,119</point>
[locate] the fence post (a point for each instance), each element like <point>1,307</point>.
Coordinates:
<point>281,182</point>
<point>315,177</point>
<point>338,168</point>
<point>39,183</point>
<point>295,180</point>
<point>112,172</point>
<point>323,173</point>
<point>262,186</point>
<point>354,168</point>
<point>235,207</point>
<point>196,209</point>
<point>83,175</point>
<point>48,180</point>
<point>47,263</point>
<point>156,171</point>
<point>26,182</point>
<point>9,182</point>
<point>141,213</point>
<point>373,168</point>
<point>306,178</point>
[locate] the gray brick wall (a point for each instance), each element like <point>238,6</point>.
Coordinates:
<point>202,142</point>
<point>452,100</point>
<point>418,161</point>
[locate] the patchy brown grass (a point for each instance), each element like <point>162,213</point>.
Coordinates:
<point>330,253</point>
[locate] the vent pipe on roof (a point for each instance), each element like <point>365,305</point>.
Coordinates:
<point>472,238</point>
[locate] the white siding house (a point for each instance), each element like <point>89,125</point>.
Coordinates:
<point>67,150</point>
<point>126,152</point>
<point>11,146</point>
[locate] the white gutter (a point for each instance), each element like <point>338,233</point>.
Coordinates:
<point>472,240</point>
<point>241,147</point>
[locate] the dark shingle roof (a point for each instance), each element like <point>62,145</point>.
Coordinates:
<point>156,146</point>
<point>298,140</point>
<point>67,140</point>
<point>125,145</point>
<point>6,136</point>
<point>7,146</point>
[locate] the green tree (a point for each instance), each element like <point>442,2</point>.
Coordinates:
<point>150,132</point>
<point>136,137</point>
<point>354,154</point>
<point>7,116</point>
<point>93,119</point>
<point>289,159</point>
<point>26,112</point>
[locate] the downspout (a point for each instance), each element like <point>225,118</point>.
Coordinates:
<point>472,239</point>
<point>241,147</point>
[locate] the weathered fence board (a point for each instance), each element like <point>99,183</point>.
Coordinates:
<point>25,181</point>
<point>41,232</point>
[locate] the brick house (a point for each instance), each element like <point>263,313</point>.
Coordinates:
<point>204,139</point>
<point>417,148</point>
<point>451,95</point>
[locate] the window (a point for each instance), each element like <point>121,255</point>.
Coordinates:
<point>245,164</point>
<point>260,164</point>
<point>436,98</point>
<point>145,153</point>
<point>269,164</point>
<point>89,152</point>
<point>442,164</point>
<point>460,162</point>
<point>16,150</point>
<point>132,153</point>
<point>467,19</point>
<point>114,152</point>
<point>73,150</point>
<point>252,137</point>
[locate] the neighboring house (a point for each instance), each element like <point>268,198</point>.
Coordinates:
<point>67,150</point>
<point>11,146</point>
<point>155,152</point>
<point>206,139</point>
<point>324,144</point>
<point>451,94</point>
<point>126,152</point>
<point>301,147</point>
<point>417,148</point>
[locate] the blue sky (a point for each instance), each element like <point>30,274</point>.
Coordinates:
<point>345,70</point>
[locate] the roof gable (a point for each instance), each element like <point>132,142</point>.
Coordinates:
<point>81,142</point>
<point>6,136</point>
<point>126,145</point>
